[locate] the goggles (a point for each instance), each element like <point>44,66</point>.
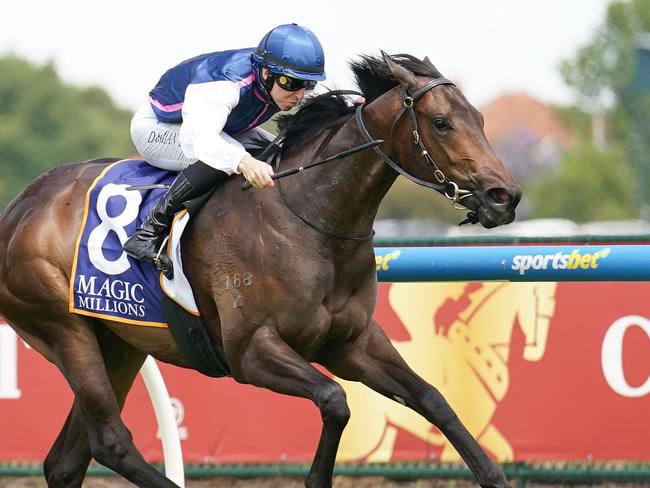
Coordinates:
<point>294,84</point>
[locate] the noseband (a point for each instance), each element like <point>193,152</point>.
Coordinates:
<point>444,185</point>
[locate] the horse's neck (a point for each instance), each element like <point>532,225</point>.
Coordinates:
<point>344,196</point>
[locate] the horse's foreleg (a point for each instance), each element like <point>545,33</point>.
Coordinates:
<point>270,363</point>
<point>373,360</point>
<point>68,459</point>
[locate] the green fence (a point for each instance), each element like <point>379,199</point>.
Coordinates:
<point>518,473</point>
<point>501,240</point>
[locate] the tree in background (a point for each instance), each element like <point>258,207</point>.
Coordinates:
<point>604,176</point>
<point>44,122</point>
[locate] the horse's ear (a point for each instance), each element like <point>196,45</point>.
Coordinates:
<point>404,76</point>
<point>428,62</point>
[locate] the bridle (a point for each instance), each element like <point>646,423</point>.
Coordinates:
<point>443,185</point>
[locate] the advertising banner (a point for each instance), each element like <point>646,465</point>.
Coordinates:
<point>536,371</point>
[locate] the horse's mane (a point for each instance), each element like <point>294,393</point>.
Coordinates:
<point>373,77</point>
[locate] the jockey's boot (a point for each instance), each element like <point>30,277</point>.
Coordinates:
<point>145,243</point>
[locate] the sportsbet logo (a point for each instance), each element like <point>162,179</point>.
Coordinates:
<point>381,262</point>
<point>559,260</point>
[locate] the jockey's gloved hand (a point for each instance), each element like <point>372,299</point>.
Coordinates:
<point>256,172</point>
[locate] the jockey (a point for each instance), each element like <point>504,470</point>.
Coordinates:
<point>202,113</point>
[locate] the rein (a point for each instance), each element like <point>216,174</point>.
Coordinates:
<point>329,233</point>
<point>274,153</point>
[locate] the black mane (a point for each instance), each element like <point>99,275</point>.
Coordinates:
<point>373,77</point>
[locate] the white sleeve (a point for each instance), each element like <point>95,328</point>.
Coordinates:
<point>205,111</point>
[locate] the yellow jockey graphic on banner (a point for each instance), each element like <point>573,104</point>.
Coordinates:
<point>466,358</point>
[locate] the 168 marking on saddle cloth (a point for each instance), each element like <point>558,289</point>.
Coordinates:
<point>105,282</point>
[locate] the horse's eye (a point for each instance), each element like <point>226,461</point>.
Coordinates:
<point>442,124</point>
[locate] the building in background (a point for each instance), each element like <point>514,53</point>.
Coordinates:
<point>526,134</point>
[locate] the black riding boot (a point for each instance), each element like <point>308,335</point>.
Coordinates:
<point>190,183</point>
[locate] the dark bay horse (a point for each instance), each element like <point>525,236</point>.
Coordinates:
<point>305,250</point>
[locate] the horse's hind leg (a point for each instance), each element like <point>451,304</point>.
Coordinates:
<point>69,456</point>
<point>78,355</point>
<point>270,363</point>
<point>68,459</point>
<point>374,361</point>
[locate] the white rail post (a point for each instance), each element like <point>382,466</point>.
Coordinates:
<point>162,407</point>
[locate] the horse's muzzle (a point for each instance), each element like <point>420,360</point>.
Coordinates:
<point>496,205</point>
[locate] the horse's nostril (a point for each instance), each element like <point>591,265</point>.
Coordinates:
<point>499,196</point>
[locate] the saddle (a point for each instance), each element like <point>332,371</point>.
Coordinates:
<point>106,283</point>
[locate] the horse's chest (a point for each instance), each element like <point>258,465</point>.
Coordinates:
<point>339,312</point>
<point>337,318</point>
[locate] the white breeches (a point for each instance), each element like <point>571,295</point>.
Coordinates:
<point>157,142</point>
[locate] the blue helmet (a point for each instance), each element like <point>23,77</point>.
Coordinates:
<point>292,50</point>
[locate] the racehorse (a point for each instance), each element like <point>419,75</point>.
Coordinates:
<point>306,251</point>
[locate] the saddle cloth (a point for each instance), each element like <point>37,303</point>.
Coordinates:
<point>105,282</point>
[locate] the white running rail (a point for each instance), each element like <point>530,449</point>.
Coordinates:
<point>162,407</point>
